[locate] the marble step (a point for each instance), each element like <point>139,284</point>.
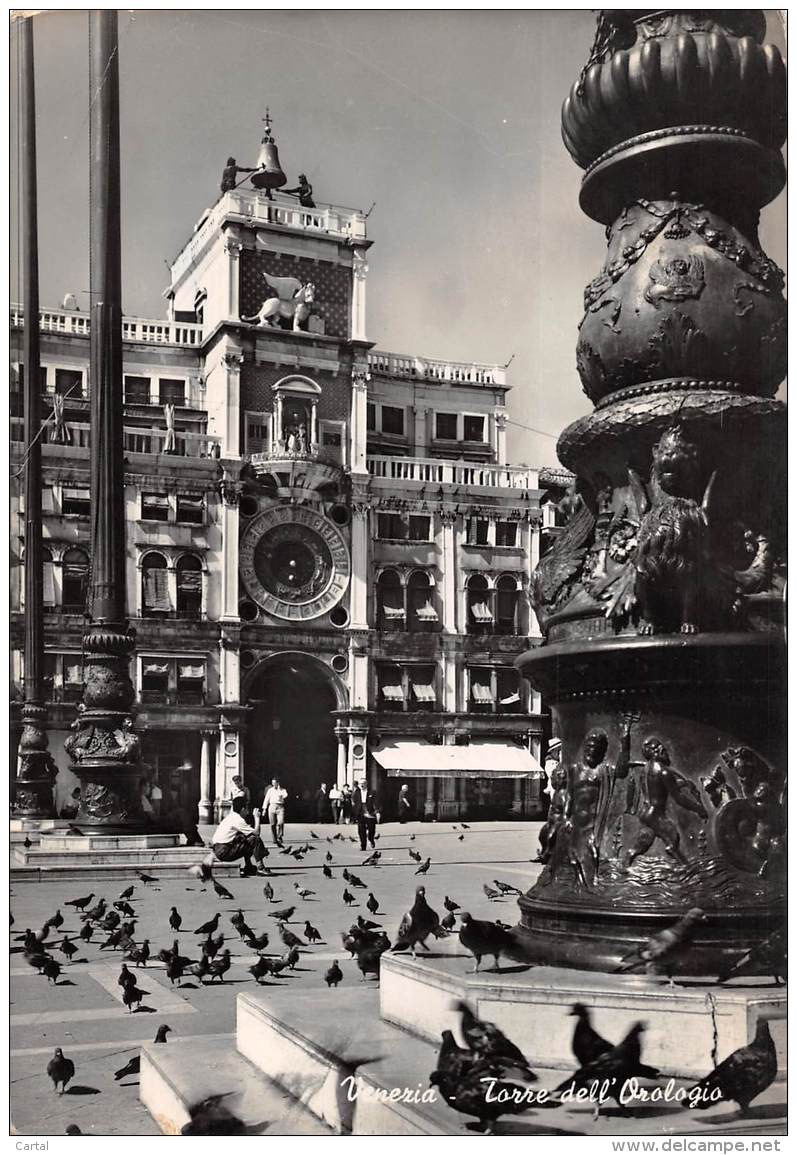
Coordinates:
<point>186,1071</point>
<point>532,1005</point>
<point>330,1051</point>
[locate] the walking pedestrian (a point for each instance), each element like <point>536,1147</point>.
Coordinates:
<point>336,798</point>
<point>365,810</point>
<point>323,808</point>
<point>274,806</point>
<point>346,804</point>
<point>404,804</point>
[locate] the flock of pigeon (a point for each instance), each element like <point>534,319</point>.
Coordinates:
<point>488,1078</point>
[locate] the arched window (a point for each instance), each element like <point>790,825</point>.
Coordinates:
<point>480,609</point>
<point>75,581</point>
<point>421,613</point>
<point>154,586</point>
<point>189,586</point>
<point>391,610</point>
<point>506,599</point>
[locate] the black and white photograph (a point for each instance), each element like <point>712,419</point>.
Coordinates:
<point>398,519</point>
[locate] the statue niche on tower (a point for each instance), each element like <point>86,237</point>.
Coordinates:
<point>291,303</point>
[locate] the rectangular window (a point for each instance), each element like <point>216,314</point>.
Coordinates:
<point>190,509</point>
<point>390,527</point>
<point>393,420</point>
<point>69,381</point>
<point>419,527</point>
<point>191,682</point>
<point>391,688</point>
<point>154,680</point>
<point>73,678</point>
<point>478,531</point>
<point>370,416</point>
<point>506,533</point>
<point>42,378</point>
<point>473,428</point>
<point>154,507</point>
<point>75,503</point>
<point>508,692</point>
<point>136,390</point>
<point>446,426</point>
<point>171,391</point>
<point>156,592</point>
<point>481,689</point>
<point>258,432</point>
<point>423,694</point>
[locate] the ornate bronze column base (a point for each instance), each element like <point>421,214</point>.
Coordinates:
<point>36,778</point>
<point>673,750</point>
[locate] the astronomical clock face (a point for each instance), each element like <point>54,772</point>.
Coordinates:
<point>294,563</point>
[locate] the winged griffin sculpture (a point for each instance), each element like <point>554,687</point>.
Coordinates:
<point>293,301</point>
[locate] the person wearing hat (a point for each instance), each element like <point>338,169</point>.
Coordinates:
<point>553,757</point>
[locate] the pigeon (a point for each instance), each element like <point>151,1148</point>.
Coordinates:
<point>337,837</point>
<point>210,926</point>
<point>147,878</point>
<point>491,894</point>
<point>28,939</point>
<point>490,1043</point>
<point>348,897</point>
<point>260,969</point>
<point>128,893</point>
<point>292,957</point>
<point>461,838</point>
<point>61,1070</point>
<point>424,867</point>
<point>126,942</point>
<point>240,924</point>
<point>201,871</point>
<point>412,838</point>
<point>113,940</point>
<point>86,932</point>
<point>174,969</point>
<point>80,903</point>
<point>449,922</point>
<point>132,996</point>
<point>333,975</point>
<point>465,826</point>
<point>327,872</point>
<point>268,892</point>
<point>767,956</point>
<point>167,953</point>
<point>201,968</point>
<point>311,933</point>
<point>355,880</point>
<point>73,1129</point>
<point>613,1068</point>
<point>372,903</point>
<point>743,1076</point>
<point>131,1068</point>
<point>212,1117</point>
<point>111,920</point>
<point>345,874</point>
<point>220,966</point>
<point>417,924</point>
<point>366,924</point>
<point>38,959</point>
<point>175,919</point>
<point>481,937</point>
<point>449,904</point>
<point>55,921</point>
<point>284,915</point>
<point>259,943</point>
<point>328,856</point>
<point>125,908</point>
<point>96,912</point>
<point>473,1086</point>
<point>373,859</point>
<point>74,830</point>
<point>278,965</point>
<point>289,938</point>
<point>163,1031</point>
<point>68,948</point>
<point>220,890</point>
<point>139,955</point>
<point>369,955</point>
<point>587,1044</point>
<point>303,892</point>
<point>663,951</point>
<point>51,969</point>
<point>211,946</point>
<point>415,856</point>
<point>506,888</point>
<point>27,843</point>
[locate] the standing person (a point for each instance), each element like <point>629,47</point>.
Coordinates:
<point>346,803</point>
<point>365,811</point>
<point>404,804</point>
<point>234,838</point>
<point>155,797</point>
<point>274,806</point>
<point>336,798</point>
<point>323,810</point>
<point>240,791</point>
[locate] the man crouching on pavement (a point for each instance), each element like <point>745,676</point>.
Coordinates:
<point>234,838</point>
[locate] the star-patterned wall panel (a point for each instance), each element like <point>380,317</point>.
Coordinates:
<point>332,286</point>
<point>334,404</point>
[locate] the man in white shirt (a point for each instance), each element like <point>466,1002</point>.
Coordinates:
<point>336,798</point>
<point>234,838</point>
<point>274,806</point>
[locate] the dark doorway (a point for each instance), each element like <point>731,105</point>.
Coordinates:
<point>290,734</point>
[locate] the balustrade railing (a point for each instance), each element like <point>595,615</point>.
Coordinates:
<point>406,365</point>
<point>135,440</point>
<point>453,472</point>
<point>133,328</point>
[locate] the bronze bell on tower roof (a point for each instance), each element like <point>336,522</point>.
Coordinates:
<point>269,175</point>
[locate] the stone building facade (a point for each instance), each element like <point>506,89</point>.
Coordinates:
<point>328,556</point>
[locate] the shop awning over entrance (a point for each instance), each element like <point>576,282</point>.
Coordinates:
<point>478,760</point>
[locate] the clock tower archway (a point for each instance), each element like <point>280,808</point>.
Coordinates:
<point>290,732</point>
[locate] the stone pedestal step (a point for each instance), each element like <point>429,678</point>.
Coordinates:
<point>356,1072</point>
<point>183,1073</point>
<point>133,856</point>
<point>532,1004</point>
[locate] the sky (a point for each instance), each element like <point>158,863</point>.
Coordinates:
<point>446,122</point>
